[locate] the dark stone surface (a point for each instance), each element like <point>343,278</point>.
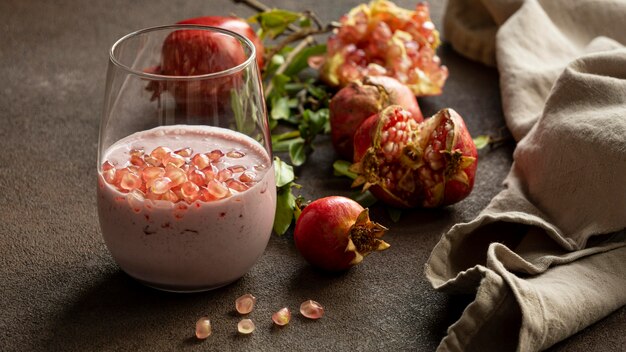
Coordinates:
<point>61,289</point>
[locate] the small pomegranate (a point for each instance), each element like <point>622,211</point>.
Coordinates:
<point>382,39</point>
<point>406,164</point>
<point>335,233</point>
<point>361,99</point>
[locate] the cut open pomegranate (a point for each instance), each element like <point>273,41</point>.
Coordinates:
<point>408,164</point>
<point>382,39</point>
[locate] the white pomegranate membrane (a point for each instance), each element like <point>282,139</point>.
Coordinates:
<point>186,208</point>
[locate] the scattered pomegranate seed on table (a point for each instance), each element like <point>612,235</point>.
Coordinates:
<point>245,304</point>
<point>245,326</point>
<point>282,317</point>
<point>203,328</point>
<point>311,309</point>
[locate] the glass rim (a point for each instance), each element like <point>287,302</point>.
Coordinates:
<point>229,71</point>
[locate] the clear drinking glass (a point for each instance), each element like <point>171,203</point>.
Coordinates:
<point>186,193</point>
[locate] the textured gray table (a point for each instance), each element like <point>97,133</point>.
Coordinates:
<point>61,290</point>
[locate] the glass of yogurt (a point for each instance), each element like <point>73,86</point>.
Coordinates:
<point>186,192</point>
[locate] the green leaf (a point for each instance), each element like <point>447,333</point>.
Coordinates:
<point>280,108</point>
<point>279,81</point>
<point>366,199</point>
<point>317,121</point>
<point>283,172</point>
<point>275,21</point>
<point>284,136</point>
<point>284,145</point>
<point>297,152</point>
<point>305,22</point>
<point>342,168</point>
<point>285,205</point>
<point>274,64</point>
<point>482,141</point>
<point>300,60</point>
<point>394,214</point>
<point>317,91</point>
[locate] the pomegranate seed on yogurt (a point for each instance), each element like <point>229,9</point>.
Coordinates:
<point>195,217</point>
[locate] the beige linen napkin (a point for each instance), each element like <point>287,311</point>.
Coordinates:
<point>547,257</point>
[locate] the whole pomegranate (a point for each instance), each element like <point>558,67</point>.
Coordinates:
<point>234,24</point>
<point>335,233</point>
<point>406,164</point>
<point>193,52</point>
<point>361,99</point>
<point>382,39</point>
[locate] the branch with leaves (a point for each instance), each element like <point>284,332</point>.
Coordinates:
<point>297,104</point>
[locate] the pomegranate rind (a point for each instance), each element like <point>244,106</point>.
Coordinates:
<point>460,159</point>
<point>371,160</point>
<point>435,166</point>
<point>384,39</point>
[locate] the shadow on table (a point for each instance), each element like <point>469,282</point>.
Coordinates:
<point>120,313</point>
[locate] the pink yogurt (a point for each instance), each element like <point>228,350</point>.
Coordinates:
<point>189,247</point>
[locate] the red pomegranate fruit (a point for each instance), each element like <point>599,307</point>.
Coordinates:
<point>406,164</point>
<point>382,39</point>
<point>194,52</point>
<point>234,24</point>
<point>335,233</point>
<point>361,99</point>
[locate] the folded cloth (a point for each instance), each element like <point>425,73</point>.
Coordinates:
<point>547,257</point>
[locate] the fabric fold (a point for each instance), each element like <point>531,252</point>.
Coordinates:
<point>547,257</point>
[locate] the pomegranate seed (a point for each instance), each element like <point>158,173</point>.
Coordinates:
<point>210,172</point>
<point>215,155</point>
<point>151,195</point>
<point>236,186</point>
<point>218,189</point>
<point>130,181</point>
<point>178,192</point>
<point>235,154</point>
<point>184,152</point>
<point>311,309</point>
<point>160,153</point>
<point>160,185</point>
<point>108,172</point>
<point>201,161</point>
<point>135,200</point>
<point>282,317</point>
<point>170,196</point>
<point>106,166</point>
<point>174,159</point>
<point>175,174</point>
<point>198,177</point>
<point>119,174</point>
<point>152,161</point>
<point>134,169</point>
<point>205,195</point>
<point>245,326</point>
<point>247,176</point>
<point>237,168</point>
<point>136,152</point>
<point>152,172</point>
<point>224,175</point>
<point>137,161</point>
<point>190,191</point>
<point>245,303</point>
<point>203,328</point>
